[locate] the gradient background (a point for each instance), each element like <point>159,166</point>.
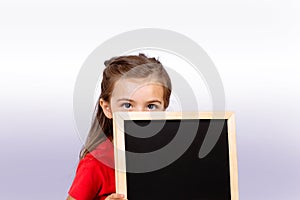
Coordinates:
<point>255,46</point>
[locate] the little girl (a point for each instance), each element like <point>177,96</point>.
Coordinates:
<point>130,83</point>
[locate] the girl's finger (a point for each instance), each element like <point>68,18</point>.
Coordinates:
<point>115,196</point>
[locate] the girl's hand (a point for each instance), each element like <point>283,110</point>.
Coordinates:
<point>115,196</point>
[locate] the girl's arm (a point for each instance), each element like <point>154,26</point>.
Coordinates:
<point>113,196</point>
<point>70,198</point>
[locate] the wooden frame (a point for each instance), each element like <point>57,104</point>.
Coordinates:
<point>119,143</point>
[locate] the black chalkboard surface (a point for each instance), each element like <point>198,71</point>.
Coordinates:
<point>158,156</point>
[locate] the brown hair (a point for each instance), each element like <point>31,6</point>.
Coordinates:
<point>131,66</point>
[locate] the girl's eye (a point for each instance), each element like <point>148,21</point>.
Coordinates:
<point>126,105</point>
<point>152,106</point>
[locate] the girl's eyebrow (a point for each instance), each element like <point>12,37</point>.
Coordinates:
<point>130,100</point>
<point>154,101</point>
<point>125,99</point>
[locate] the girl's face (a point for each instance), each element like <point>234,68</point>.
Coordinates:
<point>134,95</point>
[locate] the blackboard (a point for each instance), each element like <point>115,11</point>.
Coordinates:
<point>157,156</point>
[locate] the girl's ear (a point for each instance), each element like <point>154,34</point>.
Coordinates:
<point>106,108</point>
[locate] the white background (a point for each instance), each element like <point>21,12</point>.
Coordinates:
<point>255,46</point>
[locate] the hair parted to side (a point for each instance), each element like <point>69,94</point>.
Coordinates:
<point>131,66</point>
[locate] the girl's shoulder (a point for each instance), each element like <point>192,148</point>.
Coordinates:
<point>103,154</point>
<point>94,171</point>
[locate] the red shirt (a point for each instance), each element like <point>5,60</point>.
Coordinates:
<point>95,174</point>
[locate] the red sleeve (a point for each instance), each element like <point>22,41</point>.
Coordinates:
<point>88,180</point>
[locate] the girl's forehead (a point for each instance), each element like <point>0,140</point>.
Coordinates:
<point>134,85</point>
